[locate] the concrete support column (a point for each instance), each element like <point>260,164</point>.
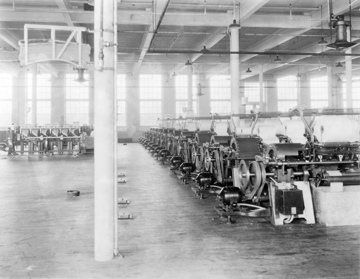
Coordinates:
<point>169,100</point>
<point>271,96</point>
<point>304,91</point>
<point>34,96</point>
<point>19,99</point>
<point>58,99</point>
<point>338,94</point>
<point>234,69</point>
<point>91,98</point>
<point>329,72</point>
<point>204,100</point>
<point>348,74</point>
<point>105,150</point>
<point>133,102</point>
<point>261,88</point>
<point>190,88</point>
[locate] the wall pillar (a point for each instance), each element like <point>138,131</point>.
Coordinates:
<point>133,102</point>
<point>204,100</point>
<point>330,73</point>
<point>304,91</point>
<point>34,97</point>
<point>19,99</point>
<point>271,96</point>
<point>169,100</point>
<point>58,99</point>
<point>189,89</point>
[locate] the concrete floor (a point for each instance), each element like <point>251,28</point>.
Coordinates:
<point>44,234</point>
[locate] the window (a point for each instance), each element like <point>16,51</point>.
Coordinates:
<point>319,92</point>
<point>121,100</point>
<point>43,99</point>
<point>150,99</point>
<point>252,92</point>
<point>76,100</point>
<point>5,100</point>
<point>287,89</point>
<point>220,95</point>
<point>181,95</point>
<point>355,94</point>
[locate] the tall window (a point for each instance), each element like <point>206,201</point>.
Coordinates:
<point>319,92</point>
<point>5,100</point>
<point>121,100</point>
<point>355,94</point>
<point>181,86</point>
<point>220,94</point>
<point>43,99</point>
<point>76,100</point>
<point>150,99</point>
<point>252,92</point>
<point>287,89</point>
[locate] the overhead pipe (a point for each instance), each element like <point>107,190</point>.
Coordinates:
<point>216,52</point>
<point>159,22</point>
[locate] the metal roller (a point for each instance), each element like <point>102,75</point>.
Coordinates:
<point>282,151</point>
<point>203,137</point>
<point>347,178</point>
<point>246,148</point>
<point>220,140</point>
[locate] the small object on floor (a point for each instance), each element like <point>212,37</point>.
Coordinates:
<point>124,143</point>
<point>73,193</point>
<point>121,175</point>
<point>123,201</point>
<point>121,180</point>
<point>4,158</point>
<point>125,216</point>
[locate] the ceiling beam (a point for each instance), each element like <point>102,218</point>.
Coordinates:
<point>248,8</point>
<point>149,36</point>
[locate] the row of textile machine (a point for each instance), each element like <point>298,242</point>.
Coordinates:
<point>47,140</point>
<point>262,164</point>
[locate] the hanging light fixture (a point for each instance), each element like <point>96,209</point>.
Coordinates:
<point>248,71</point>
<point>322,41</point>
<point>188,63</point>
<point>80,77</point>
<point>204,50</point>
<point>338,65</point>
<point>277,59</point>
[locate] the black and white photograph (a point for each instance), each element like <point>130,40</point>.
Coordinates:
<point>179,139</point>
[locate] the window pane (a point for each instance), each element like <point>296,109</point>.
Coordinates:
<point>43,86</point>
<point>121,87</point>
<point>220,88</point>
<point>287,88</point>
<point>252,91</point>
<point>5,113</point>
<point>77,111</point>
<point>150,111</point>
<point>319,104</point>
<point>6,86</point>
<point>150,87</point>
<point>286,105</point>
<point>29,85</point>
<point>220,107</point>
<point>43,112</point>
<point>76,90</point>
<point>121,111</point>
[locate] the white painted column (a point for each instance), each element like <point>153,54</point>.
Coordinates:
<point>190,89</point>
<point>234,68</point>
<point>34,96</point>
<point>348,73</point>
<point>329,72</point>
<point>261,87</point>
<point>104,133</point>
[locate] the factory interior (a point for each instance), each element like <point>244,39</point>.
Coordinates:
<point>180,139</point>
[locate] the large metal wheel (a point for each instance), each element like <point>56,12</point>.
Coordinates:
<point>255,177</point>
<point>244,176</point>
<point>207,161</point>
<point>218,166</point>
